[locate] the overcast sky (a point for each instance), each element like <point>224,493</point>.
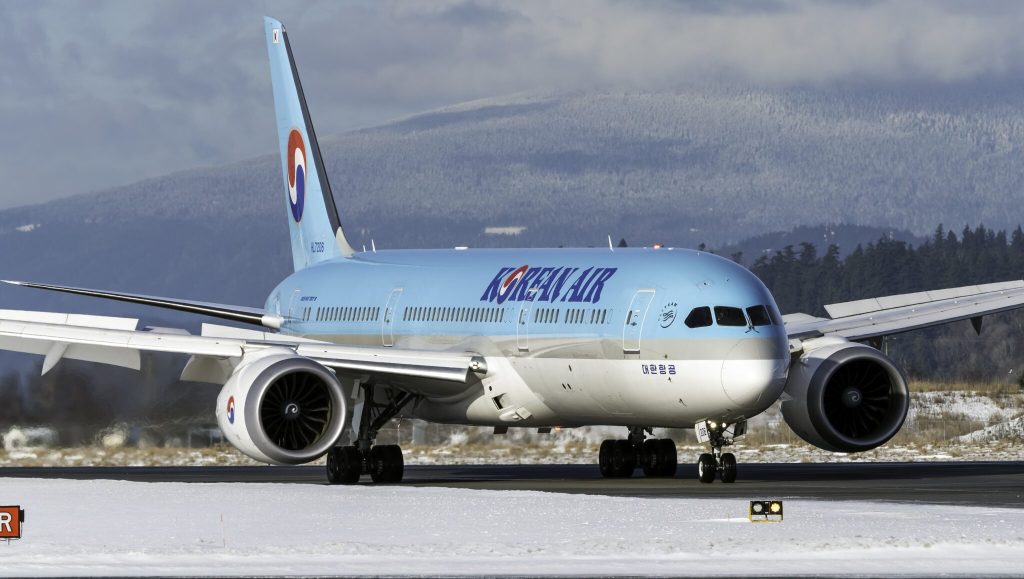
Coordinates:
<point>101,93</point>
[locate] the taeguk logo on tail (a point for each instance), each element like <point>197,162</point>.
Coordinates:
<point>563,284</point>
<point>296,156</point>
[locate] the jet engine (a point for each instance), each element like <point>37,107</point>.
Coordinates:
<point>845,397</point>
<point>281,408</point>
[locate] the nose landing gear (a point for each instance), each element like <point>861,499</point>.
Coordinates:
<point>716,462</point>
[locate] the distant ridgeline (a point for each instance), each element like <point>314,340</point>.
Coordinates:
<point>713,163</point>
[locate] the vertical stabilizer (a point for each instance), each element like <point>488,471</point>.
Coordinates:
<point>316,232</point>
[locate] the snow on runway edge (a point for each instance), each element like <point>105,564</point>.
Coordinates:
<point>126,528</point>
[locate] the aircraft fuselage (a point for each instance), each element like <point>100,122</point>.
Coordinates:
<point>570,336</point>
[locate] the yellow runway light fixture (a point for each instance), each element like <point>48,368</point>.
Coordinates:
<point>765,512</point>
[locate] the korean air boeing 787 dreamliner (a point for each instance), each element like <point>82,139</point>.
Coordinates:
<point>637,338</point>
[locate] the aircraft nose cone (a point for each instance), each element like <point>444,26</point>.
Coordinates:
<point>743,382</point>
<point>751,383</point>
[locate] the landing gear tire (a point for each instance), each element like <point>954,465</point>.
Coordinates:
<point>651,462</point>
<point>344,465</point>
<point>719,435</point>
<point>667,456</point>
<point>659,458</point>
<point>706,468</point>
<point>623,459</point>
<point>386,463</point>
<point>619,458</point>
<point>728,467</point>
<point>604,458</point>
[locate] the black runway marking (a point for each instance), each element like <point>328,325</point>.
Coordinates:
<point>994,484</point>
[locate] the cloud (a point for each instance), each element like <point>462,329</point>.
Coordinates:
<point>102,93</point>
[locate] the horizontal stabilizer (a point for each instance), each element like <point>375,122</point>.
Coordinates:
<point>235,313</point>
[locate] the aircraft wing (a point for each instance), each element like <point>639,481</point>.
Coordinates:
<point>875,317</point>
<point>117,341</point>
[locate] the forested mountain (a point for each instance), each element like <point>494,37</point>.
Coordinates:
<point>804,280</point>
<point>845,238</point>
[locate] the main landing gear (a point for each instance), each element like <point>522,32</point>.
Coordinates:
<point>619,458</point>
<point>716,462</point>
<point>384,463</point>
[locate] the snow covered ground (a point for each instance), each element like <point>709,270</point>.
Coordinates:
<point>125,528</point>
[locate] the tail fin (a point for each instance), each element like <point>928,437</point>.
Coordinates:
<point>312,215</point>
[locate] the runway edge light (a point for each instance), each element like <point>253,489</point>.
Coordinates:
<point>765,511</point>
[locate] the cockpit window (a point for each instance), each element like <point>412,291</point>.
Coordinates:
<point>759,316</point>
<point>725,316</point>
<point>698,318</point>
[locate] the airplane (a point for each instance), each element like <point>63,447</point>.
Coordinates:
<point>639,338</point>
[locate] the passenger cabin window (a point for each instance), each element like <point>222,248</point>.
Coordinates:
<point>699,318</point>
<point>726,316</point>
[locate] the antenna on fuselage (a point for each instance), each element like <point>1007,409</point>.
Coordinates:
<point>373,245</point>
<point>610,246</point>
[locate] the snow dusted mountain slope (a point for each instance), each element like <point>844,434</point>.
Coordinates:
<point>711,164</point>
<point>730,162</point>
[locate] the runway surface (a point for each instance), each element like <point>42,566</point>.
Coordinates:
<point>962,483</point>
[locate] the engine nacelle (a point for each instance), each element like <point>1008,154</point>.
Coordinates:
<point>281,408</point>
<point>845,397</point>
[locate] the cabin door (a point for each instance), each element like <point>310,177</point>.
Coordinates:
<point>297,310</point>
<point>523,322</point>
<point>387,329</point>
<point>634,324</point>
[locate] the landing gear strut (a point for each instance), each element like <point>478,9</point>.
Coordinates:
<point>384,463</point>
<point>619,458</point>
<point>716,462</point>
